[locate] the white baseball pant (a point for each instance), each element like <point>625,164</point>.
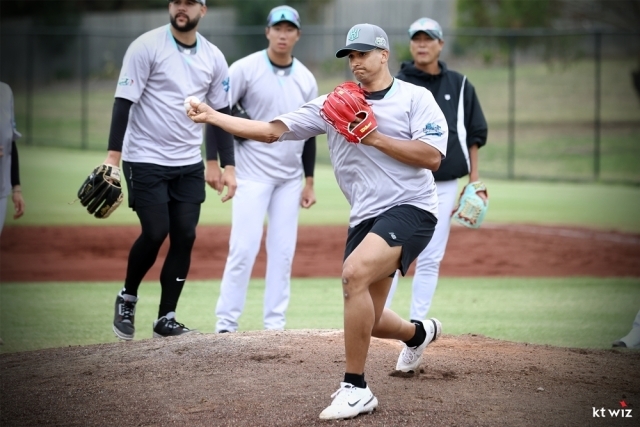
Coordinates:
<point>425,279</point>
<point>252,201</point>
<point>632,339</point>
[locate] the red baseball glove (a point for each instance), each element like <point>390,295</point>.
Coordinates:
<point>347,111</point>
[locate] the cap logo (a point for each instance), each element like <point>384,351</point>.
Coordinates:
<point>283,13</point>
<point>380,41</point>
<point>353,34</point>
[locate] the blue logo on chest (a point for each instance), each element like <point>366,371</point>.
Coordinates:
<point>225,84</point>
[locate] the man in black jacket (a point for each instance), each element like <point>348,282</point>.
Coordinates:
<point>467,133</point>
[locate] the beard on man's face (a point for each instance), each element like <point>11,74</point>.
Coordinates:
<point>190,25</point>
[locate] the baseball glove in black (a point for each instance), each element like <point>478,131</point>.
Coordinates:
<point>239,111</point>
<point>101,192</point>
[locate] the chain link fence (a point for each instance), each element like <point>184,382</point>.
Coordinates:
<point>560,105</point>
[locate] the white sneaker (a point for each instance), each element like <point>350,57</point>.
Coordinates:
<point>349,401</point>
<point>410,357</point>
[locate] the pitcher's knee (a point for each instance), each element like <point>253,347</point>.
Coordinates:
<point>352,281</point>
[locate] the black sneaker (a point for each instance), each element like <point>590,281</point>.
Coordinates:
<point>164,327</point>
<point>123,318</point>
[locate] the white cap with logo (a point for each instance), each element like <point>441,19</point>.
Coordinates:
<point>283,14</point>
<point>364,38</point>
<point>202,2</point>
<point>427,26</point>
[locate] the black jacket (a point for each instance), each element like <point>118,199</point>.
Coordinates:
<point>446,88</point>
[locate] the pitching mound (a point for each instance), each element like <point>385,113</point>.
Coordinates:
<point>286,379</point>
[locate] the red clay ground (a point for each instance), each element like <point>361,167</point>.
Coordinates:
<point>100,253</point>
<point>285,378</point>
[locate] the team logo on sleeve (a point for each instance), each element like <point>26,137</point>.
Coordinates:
<point>225,84</point>
<point>432,129</point>
<point>125,81</point>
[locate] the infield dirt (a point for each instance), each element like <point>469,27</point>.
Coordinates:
<point>100,253</point>
<point>286,378</point>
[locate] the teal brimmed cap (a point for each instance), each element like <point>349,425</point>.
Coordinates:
<point>283,14</point>
<point>427,26</point>
<point>364,38</point>
<point>202,2</point>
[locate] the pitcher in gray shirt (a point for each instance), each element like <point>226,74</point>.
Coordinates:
<point>388,181</point>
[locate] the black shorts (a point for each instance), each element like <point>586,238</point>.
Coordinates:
<point>402,225</point>
<point>149,184</point>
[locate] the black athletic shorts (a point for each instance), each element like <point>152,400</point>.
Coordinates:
<point>150,184</point>
<point>402,225</point>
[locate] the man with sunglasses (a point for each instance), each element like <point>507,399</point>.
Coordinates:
<point>266,84</point>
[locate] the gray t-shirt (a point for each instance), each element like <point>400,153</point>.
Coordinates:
<point>8,134</point>
<point>266,91</point>
<point>372,181</point>
<point>157,75</point>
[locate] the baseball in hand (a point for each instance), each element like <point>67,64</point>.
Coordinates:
<point>188,100</point>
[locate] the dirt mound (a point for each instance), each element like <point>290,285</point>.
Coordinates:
<point>286,379</point>
<point>100,253</point>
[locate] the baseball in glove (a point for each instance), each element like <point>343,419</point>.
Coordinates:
<point>472,208</point>
<point>348,112</point>
<point>101,192</point>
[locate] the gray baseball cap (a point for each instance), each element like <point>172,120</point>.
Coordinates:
<point>427,26</point>
<point>283,14</point>
<point>364,38</point>
<point>202,2</point>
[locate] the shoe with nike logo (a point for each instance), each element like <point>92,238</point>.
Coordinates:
<point>349,402</point>
<point>410,357</point>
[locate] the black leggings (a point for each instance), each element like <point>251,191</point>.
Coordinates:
<point>179,221</point>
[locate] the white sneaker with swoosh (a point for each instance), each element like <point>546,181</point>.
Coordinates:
<point>349,402</point>
<point>410,357</point>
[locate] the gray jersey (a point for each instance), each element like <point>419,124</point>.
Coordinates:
<point>8,134</point>
<point>157,75</point>
<point>372,181</point>
<point>266,91</point>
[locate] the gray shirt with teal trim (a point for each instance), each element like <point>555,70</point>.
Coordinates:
<point>372,181</point>
<point>265,92</point>
<point>157,75</point>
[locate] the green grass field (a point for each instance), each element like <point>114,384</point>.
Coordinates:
<point>554,140</point>
<point>574,312</point>
<point>51,176</point>
<point>554,134</point>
